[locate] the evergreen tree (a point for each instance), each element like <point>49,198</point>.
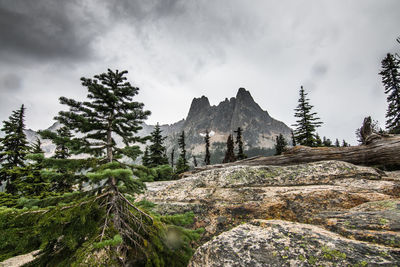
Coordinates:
<point>344,143</point>
<point>239,141</point>
<point>146,157</point>
<point>207,141</point>
<point>337,144</point>
<point>13,149</point>
<point>307,121</point>
<point>36,147</point>
<point>31,183</point>
<point>318,141</point>
<point>194,161</point>
<point>111,111</point>
<point>172,158</point>
<point>229,154</point>
<point>61,171</point>
<point>157,150</point>
<point>182,165</point>
<point>105,216</point>
<point>327,142</point>
<point>293,139</point>
<point>280,145</point>
<point>391,81</point>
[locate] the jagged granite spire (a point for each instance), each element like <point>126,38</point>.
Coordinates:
<point>198,106</point>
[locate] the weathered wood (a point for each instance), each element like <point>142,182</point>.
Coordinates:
<point>379,151</point>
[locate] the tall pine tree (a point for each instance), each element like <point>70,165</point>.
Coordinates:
<point>318,141</point>
<point>280,144</point>
<point>107,216</point>
<point>239,142</point>
<point>182,165</point>
<point>32,183</point>
<point>337,143</point>
<point>344,143</point>
<point>110,111</point>
<point>194,161</point>
<point>157,151</point>
<point>293,138</point>
<point>13,149</point>
<point>230,153</point>
<point>172,157</point>
<point>391,81</point>
<point>146,157</point>
<point>207,141</point>
<point>36,147</point>
<point>307,121</point>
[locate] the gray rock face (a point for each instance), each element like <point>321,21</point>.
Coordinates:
<point>240,111</point>
<point>282,243</point>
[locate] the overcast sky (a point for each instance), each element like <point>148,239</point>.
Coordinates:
<point>177,50</point>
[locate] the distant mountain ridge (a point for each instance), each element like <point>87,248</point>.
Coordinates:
<point>259,128</point>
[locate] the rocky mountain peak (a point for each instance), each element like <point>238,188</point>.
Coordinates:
<point>244,99</point>
<point>198,106</point>
<point>244,95</point>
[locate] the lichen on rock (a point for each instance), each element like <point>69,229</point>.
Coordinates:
<point>282,243</point>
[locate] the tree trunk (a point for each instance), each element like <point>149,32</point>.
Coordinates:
<point>379,151</point>
<point>109,146</point>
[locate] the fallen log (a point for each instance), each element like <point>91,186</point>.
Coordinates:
<point>379,151</point>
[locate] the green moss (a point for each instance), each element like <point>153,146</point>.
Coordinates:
<point>383,221</point>
<point>332,254</point>
<point>312,260</point>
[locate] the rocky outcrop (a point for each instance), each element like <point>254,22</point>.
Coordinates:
<point>327,213</point>
<point>223,198</point>
<point>282,243</point>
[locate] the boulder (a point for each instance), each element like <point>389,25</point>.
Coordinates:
<point>282,243</point>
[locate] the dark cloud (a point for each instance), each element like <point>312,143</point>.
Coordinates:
<point>44,29</point>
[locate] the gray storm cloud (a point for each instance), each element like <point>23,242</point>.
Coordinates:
<point>44,29</point>
<point>180,49</point>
